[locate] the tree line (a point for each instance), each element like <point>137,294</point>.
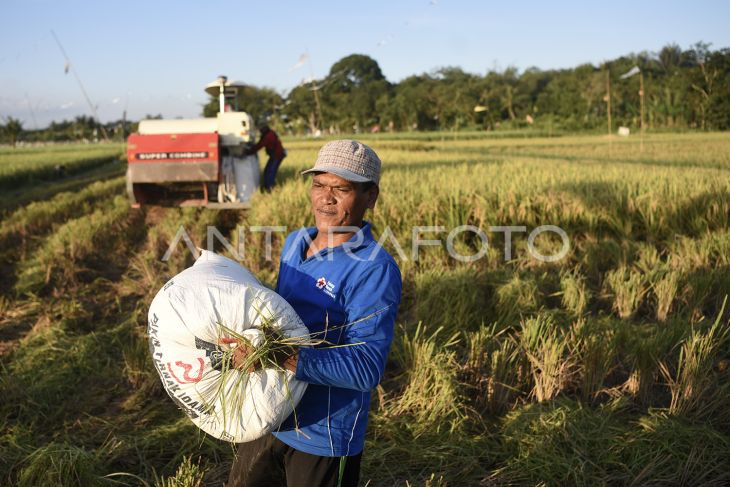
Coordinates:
<point>682,89</point>
<point>82,128</point>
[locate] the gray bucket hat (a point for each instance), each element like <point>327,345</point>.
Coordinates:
<point>349,159</point>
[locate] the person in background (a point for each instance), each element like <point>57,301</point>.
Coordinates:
<point>274,149</point>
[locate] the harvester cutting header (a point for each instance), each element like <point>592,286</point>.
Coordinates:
<point>196,162</point>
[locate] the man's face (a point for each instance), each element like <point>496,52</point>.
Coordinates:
<point>339,202</point>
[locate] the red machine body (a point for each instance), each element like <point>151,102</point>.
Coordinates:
<point>160,158</point>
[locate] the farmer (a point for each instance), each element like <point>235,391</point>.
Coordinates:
<point>346,288</point>
<point>274,149</point>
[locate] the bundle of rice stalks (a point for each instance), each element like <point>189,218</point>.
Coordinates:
<point>546,348</point>
<point>441,295</point>
<point>700,384</point>
<point>517,298</point>
<point>594,346</point>
<point>628,287</point>
<point>664,290</point>
<point>188,474</point>
<point>575,292</point>
<point>432,395</point>
<point>493,369</point>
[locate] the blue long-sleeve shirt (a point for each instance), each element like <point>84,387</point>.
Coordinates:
<point>346,295</point>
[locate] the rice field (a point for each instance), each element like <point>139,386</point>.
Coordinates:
<point>608,366</point>
<point>27,165</point>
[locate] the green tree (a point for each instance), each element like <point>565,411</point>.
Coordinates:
<point>454,95</point>
<point>12,130</point>
<point>413,106</point>
<point>351,90</point>
<point>301,108</point>
<point>703,76</point>
<point>260,103</point>
<point>83,127</point>
<point>718,106</point>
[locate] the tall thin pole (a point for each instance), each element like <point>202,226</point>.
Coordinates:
<point>81,85</point>
<point>32,113</point>
<point>124,117</point>
<point>641,97</point>
<point>315,88</point>
<point>608,99</point>
<point>320,122</point>
<point>124,125</point>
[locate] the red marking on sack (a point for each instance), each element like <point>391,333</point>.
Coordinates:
<point>187,379</point>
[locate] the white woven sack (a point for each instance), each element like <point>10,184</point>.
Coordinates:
<point>184,331</point>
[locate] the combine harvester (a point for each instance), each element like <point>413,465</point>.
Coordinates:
<point>195,162</point>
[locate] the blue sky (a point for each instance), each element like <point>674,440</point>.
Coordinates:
<point>156,56</point>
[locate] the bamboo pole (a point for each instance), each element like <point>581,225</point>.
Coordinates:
<point>608,99</point>
<point>315,89</point>
<point>641,97</point>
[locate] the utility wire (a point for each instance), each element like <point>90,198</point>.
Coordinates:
<point>69,65</point>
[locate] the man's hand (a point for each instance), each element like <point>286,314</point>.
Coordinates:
<point>286,358</point>
<point>243,349</point>
<point>241,352</point>
<point>291,362</point>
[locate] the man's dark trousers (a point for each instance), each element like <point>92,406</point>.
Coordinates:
<point>270,462</point>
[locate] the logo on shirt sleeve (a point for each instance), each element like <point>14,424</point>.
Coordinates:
<point>327,286</point>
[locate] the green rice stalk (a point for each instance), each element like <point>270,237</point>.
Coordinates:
<point>432,395</point>
<point>575,292</point>
<point>628,288</point>
<point>517,298</point>
<point>595,351</point>
<point>665,291</point>
<point>188,474</point>
<point>492,369</point>
<point>694,386</point>
<point>546,349</point>
<point>60,464</point>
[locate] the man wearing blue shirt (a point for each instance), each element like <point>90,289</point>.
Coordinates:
<point>346,289</point>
